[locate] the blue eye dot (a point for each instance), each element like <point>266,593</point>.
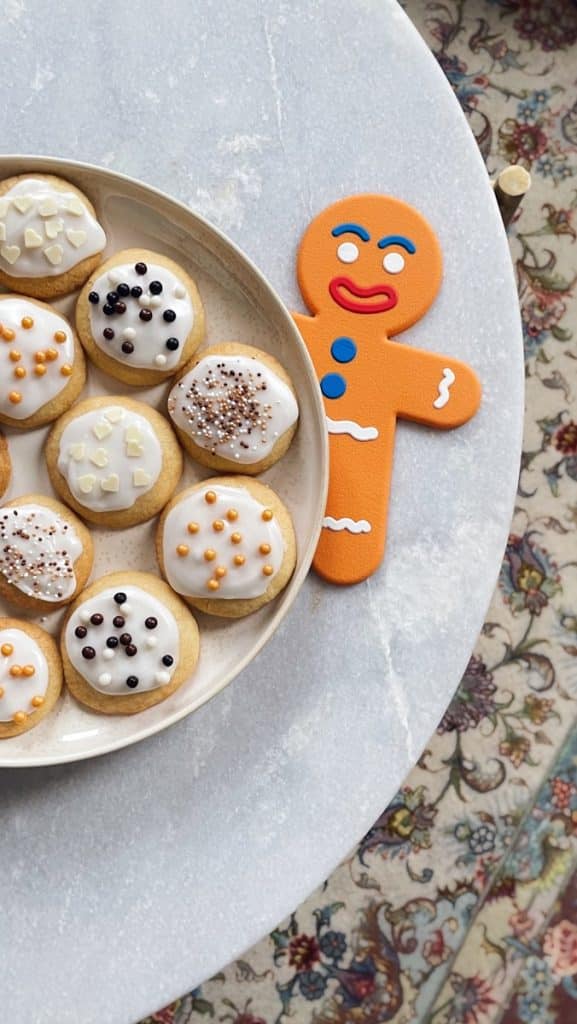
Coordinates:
<point>343,350</point>
<point>333,385</point>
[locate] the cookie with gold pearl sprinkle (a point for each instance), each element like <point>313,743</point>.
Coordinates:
<point>30,676</point>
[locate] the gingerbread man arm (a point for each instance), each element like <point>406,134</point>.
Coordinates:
<point>436,390</point>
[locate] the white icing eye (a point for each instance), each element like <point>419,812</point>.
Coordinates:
<point>347,252</point>
<point>393,262</point>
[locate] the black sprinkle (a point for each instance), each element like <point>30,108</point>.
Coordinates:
<point>108,333</point>
<point>112,297</point>
<point>123,290</point>
<point>145,314</point>
<point>118,621</point>
<point>112,642</point>
<point>132,682</point>
<point>80,632</point>
<point>127,347</point>
<point>168,660</point>
<point>89,653</point>
<point>130,650</point>
<point>125,639</point>
<point>120,597</point>
<point>169,315</point>
<point>151,623</point>
<point>172,344</point>
<point>140,268</point>
<point>120,308</point>
<point>94,298</point>
<point>107,310</point>
<point>155,287</point>
<point>136,291</point>
<point>97,619</point>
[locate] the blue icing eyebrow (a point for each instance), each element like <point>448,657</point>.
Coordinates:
<point>405,243</point>
<point>353,229</point>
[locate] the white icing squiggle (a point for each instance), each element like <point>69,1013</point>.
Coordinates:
<point>354,429</point>
<point>345,523</point>
<point>444,385</point>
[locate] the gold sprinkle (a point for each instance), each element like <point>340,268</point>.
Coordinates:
<point>15,397</point>
<point>19,717</point>
<point>37,702</point>
<point>40,356</point>
<point>232,515</point>
<point>193,527</point>
<point>7,650</point>
<point>59,336</point>
<point>210,497</point>
<point>40,370</point>
<point>16,671</point>
<point>218,525</point>
<point>236,538</point>
<point>267,515</point>
<point>220,571</point>
<point>66,370</point>
<point>27,322</point>
<point>213,585</point>
<point>267,570</point>
<point>239,559</point>
<point>28,670</point>
<point>265,549</point>
<point>182,550</point>
<point>51,354</point>
<point>209,555</point>
<point>15,355</point>
<point>20,372</point>
<point>8,334</point>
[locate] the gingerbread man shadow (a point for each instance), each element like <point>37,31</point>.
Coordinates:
<point>368,268</point>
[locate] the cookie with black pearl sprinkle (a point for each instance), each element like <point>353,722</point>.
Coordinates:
<point>140,317</point>
<point>127,643</point>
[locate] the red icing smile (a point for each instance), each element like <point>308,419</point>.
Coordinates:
<point>353,297</point>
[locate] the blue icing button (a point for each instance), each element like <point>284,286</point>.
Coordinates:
<point>333,385</point>
<point>343,350</point>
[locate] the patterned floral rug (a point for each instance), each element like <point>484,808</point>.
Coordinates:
<point>460,905</point>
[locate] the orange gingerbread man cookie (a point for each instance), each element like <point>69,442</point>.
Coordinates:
<point>369,267</point>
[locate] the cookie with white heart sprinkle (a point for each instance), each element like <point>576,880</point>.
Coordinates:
<point>140,317</point>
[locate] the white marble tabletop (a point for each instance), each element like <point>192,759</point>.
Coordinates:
<point>131,878</point>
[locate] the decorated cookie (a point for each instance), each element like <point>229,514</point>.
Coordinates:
<point>140,317</point>
<point>128,643</point>
<point>114,461</point>
<point>5,465</point>
<point>369,267</point>
<point>227,545</point>
<point>234,409</point>
<point>30,676</point>
<point>46,553</point>
<point>42,369</point>
<point>50,239</point>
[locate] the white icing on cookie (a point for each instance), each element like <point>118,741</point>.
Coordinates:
<point>36,357</point>
<point>107,641</point>
<point>233,406</point>
<point>109,457</point>
<point>220,542</point>
<point>38,549</point>
<point>155,343</point>
<point>28,213</point>
<point>23,675</point>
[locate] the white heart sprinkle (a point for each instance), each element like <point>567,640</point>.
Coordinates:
<point>10,253</point>
<point>47,207</point>
<point>140,478</point>
<point>115,414</point>
<point>105,679</point>
<point>32,239</point>
<point>76,207</point>
<point>77,452</point>
<point>3,207</point>
<point>53,227</point>
<point>111,484</point>
<point>101,429</point>
<point>133,433</point>
<point>76,238</point>
<point>22,203</point>
<point>99,457</point>
<point>86,483</point>
<point>179,291</point>
<point>134,449</point>
<point>129,333</point>
<point>2,232</point>
<point>160,360</point>
<point>54,254</point>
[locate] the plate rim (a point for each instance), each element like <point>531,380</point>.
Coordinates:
<point>60,166</point>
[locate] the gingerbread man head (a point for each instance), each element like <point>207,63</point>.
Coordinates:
<point>370,257</point>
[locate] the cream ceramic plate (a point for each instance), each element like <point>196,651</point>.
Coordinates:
<point>241,306</point>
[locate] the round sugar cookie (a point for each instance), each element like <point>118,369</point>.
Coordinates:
<point>140,317</point>
<point>50,237</point>
<point>227,545</point>
<point>42,368</point>
<point>5,465</point>
<point>46,553</point>
<point>115,461</point>
<point>234,409</point>
<point>128,643</point>
<point>30,676</point>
